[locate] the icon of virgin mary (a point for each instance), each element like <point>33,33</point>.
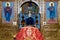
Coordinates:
<point>7,12</point>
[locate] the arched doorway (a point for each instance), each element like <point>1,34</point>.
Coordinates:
<point>29,9</point>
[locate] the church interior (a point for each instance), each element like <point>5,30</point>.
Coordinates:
<point>29,19</point>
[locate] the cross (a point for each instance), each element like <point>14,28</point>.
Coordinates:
<point>29,32</point>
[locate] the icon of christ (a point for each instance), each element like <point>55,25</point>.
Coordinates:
<point>52,12</point>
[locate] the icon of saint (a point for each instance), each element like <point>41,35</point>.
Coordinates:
<point>7,12</point>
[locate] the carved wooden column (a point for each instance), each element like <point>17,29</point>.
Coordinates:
<point>59,12</point>
<point>42,6</point>
<point>15,11</point>
<point>58,19</point>
<point>0,11</point>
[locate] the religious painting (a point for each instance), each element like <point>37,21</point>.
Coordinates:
<point>29,14</point>
<point>7,11</point>
<point>51,12</point>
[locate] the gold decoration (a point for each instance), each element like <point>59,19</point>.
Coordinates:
<point>8,3</point>
<point>51,3</point>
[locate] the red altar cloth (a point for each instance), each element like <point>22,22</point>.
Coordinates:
<point>29,33</point>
